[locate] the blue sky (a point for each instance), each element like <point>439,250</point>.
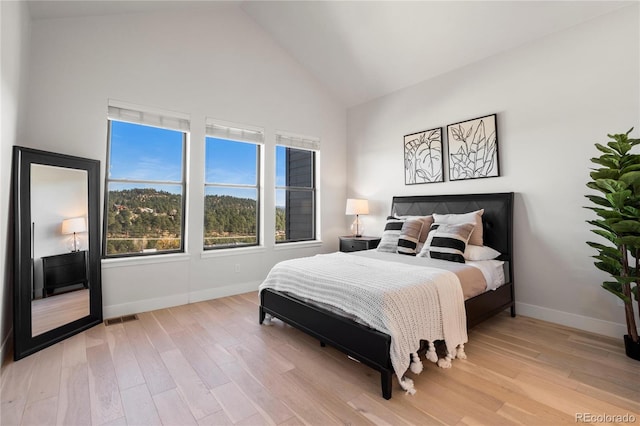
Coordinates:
<point>150,153</point>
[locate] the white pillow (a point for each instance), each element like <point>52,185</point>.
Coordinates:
<point>473,217</point>
<point>472,252</point>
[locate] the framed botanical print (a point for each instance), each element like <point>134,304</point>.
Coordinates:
<point>473,148</point>
<point>423,162</point>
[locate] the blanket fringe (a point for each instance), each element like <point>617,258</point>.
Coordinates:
<point>460,354</point>
<point>445,362</point>
<point>407,384</point>
<point>431,353</point>
<point>416,366</point>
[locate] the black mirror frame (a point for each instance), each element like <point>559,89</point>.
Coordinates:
<point>24,343</point>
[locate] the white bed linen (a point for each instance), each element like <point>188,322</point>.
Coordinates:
<point>492,270</point>
<point>410,303</point>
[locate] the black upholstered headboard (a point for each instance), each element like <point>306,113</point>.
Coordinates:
<point>497,219</point>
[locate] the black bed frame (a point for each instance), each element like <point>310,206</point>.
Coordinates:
<point>370,346</point>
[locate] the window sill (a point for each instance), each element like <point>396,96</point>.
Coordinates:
<point>237,251</point>
<point>144,260</point>
<point>298,245</point>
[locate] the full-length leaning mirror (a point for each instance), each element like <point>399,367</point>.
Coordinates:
<point>58,291</point>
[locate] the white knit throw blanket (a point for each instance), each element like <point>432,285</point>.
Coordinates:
<point>409,303</point>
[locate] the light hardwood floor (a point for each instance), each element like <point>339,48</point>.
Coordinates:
<point>210,363</point>
<point>53,311</point>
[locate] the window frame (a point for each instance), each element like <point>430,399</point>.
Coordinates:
<point>299,144</point>
<point>182,184</point>
<point>258,186</point>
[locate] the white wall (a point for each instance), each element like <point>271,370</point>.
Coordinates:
<point>554,98</point>
<point>15,30</point>
<point>214,63</point>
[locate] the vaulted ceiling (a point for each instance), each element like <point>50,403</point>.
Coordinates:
<point>360,50</point>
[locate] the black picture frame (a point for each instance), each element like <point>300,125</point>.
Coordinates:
<point>473,148</point>
<point>424,157</point>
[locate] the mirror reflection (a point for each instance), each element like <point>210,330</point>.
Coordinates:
<point>59,246</point>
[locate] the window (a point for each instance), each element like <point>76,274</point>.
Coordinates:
<point>232,186</point>
<point>295,189</point>
<point>145,188</point>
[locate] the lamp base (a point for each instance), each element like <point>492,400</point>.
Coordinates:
<point>356,228</point>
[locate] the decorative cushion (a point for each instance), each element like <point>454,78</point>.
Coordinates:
<point>409,236</point>
<point>391,235</point>
<point>447,241</point>
<point>427,221</point>
<point>480,253</point>
<point>472,217</point>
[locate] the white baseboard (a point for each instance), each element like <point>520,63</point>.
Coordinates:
<point>593,325</point>
<point>217,292</point>
<point>145,305</point>
<point>178,299</point>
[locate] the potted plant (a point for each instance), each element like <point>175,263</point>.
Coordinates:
<point>618,211</point>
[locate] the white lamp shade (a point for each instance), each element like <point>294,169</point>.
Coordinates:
<point>77,224</point>
<point>357,206</point>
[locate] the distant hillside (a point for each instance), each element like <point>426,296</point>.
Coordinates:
<point>150,219</point>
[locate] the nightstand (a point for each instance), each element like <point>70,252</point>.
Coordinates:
<point>350,243</point>
<point>64,269</point>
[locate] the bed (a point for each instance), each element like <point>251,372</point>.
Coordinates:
<point>372,347</point>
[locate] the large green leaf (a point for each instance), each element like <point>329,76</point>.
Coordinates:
<point>604,174</point>
<point>636,292</point>
<point>626,226</point>
<point>606,214</point>
<point>596,187</point>
<point>608,268</point>
<point>615,288</point>
<point>601,224</point>
<point>608,235</point>
<point>614,266</point>
<point>632,211</point>
<point>625,279</point>
<point>604,149</point>
<point>607,161</point>
<point>611,185</point>
<point>630,241</point>
<point>595,199</point>
<point>629,168</point>
<point>618,199</point>
<point>609,251</point>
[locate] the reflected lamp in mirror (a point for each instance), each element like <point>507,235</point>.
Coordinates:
<point>74,226</point>
<point>356,206</point>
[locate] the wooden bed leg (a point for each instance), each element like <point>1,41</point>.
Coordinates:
<point>385,381</point>
<point>262,315</point>
<point>513,311</point>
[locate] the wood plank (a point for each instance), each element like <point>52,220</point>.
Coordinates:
<point>204,366</point>
<point>14,389</point>
<point>41,412</point>
<point>194,392</point>
<point>270,406</point>
<point>155,373</point>
<point>172,409</point>
<point>74,402</point>
<point>157,336</point>
<point>124,360</point>
<point>234,402</point>
<point>139,408</point>
<point>103,386</point>
<point>45,382</point>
